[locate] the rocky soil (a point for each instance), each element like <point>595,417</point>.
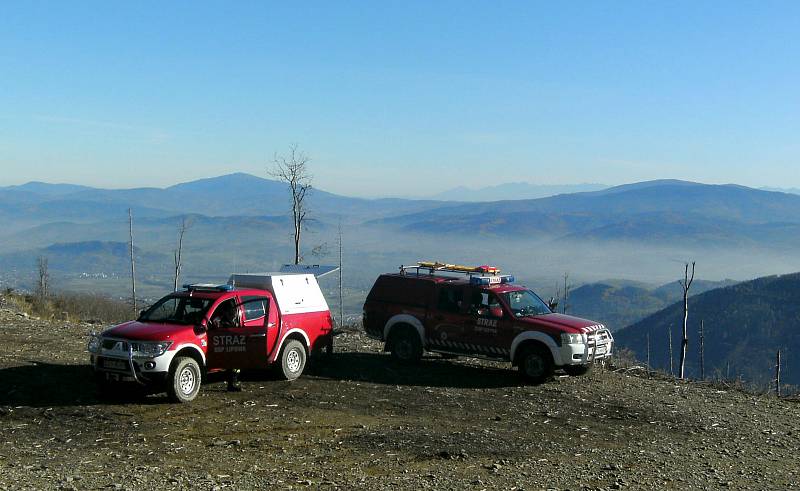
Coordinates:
<point>358,421</point>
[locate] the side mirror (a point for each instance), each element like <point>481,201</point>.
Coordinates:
<point>552,304</point>
<point>496,312</point>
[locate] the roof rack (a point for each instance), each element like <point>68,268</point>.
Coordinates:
<point>478,275</point>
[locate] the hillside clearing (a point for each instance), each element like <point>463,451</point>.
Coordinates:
<point>359,421</point>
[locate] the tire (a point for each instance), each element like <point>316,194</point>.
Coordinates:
<point>536,364</point>
<point>293,359</point>
<point>405,345</point>
<point>577,370</point>
<point>183,382</point>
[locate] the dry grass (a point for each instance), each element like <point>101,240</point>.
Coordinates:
<point>70,306</point>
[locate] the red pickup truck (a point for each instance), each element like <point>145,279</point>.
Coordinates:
<point>253,321</point>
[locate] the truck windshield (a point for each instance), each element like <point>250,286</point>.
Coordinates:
<point>177,309</point>
<point>525,303</point>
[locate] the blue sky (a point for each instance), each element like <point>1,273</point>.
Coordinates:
<point>401,98</point>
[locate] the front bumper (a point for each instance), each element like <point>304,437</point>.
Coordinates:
<point>598,346</point>
<point>119,364</point>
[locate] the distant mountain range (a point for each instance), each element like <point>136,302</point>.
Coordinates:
<point>651,212</point>
<point>744,326</point>
<point>782,190</point>
<point>513,190</point>
<point>242,221</point>
<point>229,195</point>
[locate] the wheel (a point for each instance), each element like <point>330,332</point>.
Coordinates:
<point>405,345</point>
<point>293,359</point>
<point>536,364</point>
<point>183,383</point>
<point>577,370</point>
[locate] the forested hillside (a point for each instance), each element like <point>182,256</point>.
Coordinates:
<point>744,324</point>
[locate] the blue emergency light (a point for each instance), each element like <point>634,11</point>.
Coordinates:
<point>207,287</point>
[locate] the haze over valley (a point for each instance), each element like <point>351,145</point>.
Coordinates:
<point>640,232</point>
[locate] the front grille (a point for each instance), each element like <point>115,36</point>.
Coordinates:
<point>115,344</point>
<point>600,337</point>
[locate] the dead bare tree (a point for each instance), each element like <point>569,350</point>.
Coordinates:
<point>43,284</point>
<point>133,264</point>
<point>178,253</point>
<point>686,283</point>
<point>778,374</point>
<point>648,353</point>
<point>566,293</point>
<point>292,169</point>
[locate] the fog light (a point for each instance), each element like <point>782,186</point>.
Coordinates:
<point>149,365</point>
<point>577,357</point>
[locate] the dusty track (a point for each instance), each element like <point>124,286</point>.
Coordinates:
<point>356,420</point>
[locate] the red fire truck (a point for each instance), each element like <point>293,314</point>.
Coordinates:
<point>476,311</point>
<point>253,321</point>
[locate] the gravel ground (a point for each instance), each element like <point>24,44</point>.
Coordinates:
<point>358,421</point>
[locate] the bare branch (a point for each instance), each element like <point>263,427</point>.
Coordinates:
<point>292,170</point>
<point>178,253</point>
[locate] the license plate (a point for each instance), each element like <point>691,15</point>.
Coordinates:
<point>600,350</point>
<point>115,364</point>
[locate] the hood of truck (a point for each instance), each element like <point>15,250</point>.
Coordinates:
<point>148,331</point>
<point>565,323</point>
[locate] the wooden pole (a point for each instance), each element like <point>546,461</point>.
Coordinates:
<point>702,353</point>
<point>341,294</point>
<point>778,374</point>
<point>671,367</point>
<point>133,264</point>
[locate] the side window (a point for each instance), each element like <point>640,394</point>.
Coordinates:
<point>450,299</point>
<point>225,315</point>
<point>483,301</point>
<point>255,307</point>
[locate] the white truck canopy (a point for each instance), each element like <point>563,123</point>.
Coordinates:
<point>295,293</point>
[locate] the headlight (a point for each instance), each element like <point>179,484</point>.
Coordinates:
<point>150,350</point>
<point>568,338</point>
<point>95,342</point>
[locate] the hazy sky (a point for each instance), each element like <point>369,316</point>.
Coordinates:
<point>404,97</point>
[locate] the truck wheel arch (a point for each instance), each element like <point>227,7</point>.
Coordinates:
<point>294,333</point>
<point>406,319</point>
<point>538,338</point>
<point>191,351</point>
